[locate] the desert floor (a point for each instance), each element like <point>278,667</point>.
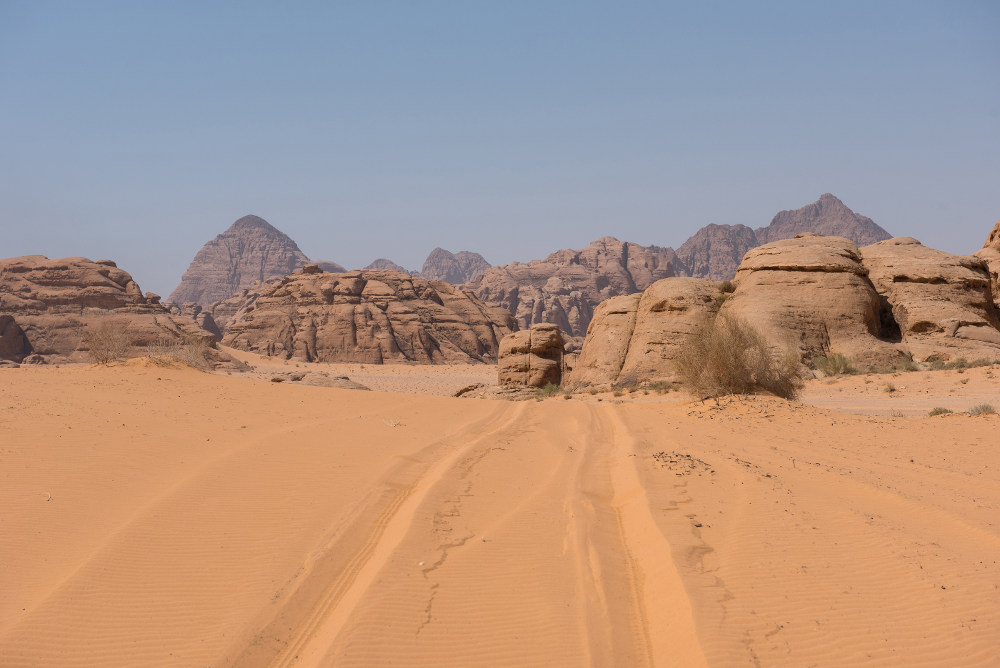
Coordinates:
<point>162,516</point>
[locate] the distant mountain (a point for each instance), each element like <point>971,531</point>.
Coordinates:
<point>715,251</point>
<point>383,264</point>
<point>455,268</point>
<point>565,287</point>
<point>250,250</point>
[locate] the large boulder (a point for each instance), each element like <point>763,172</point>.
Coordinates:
<point>532,357</point>
<point>367,316</point>
<point>606,346</point>
<point>566,287</point>
<point>943,303</point>
<point>812,293</point>
<point>48,307</point>
<point>635,339</point>
<point>990,252</point>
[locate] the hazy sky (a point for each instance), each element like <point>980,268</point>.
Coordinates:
<point>137,131</point>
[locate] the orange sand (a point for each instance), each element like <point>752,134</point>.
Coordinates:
<point>159,516</point>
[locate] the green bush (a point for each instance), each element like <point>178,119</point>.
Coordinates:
<point>550,390</point>
<point>834,364</point>
<point>728,356</point>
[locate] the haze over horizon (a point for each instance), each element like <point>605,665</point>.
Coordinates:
<point>138,132</point>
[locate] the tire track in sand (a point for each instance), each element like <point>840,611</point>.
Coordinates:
<point>307,625</point>
<point>665,608</point>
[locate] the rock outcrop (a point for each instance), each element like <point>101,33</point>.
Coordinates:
<point>48,307</point>
<point>250,250</point>
<point>565,287</point>
<point>635,339</point>
<point>812,293</point>
<point>367,316</point>
<point>990,252</point>
<point>531,357</point>
<point>199,315</point>
<point>943,303</point>
<point>455,268</point>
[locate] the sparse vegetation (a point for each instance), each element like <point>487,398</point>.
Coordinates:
<point>834,364</point>
<point>982,409</point>
<point>110,342</point>
<point>550,390</point>
<point>727,287</point>
<point>905,364</point>
<point>192,351</point>
<point>890,388</point>
<point>728,356</point>
<point>939,411</point>
<point>618,393</point>
<point>660,386</point>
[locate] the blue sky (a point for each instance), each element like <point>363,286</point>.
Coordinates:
<point>138,131</point>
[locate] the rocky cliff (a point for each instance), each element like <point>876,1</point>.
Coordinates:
<point>367,316</point>
<point>384,264</point>
<point>990,252</point>
<point>565,287</point>
<point>250,250</point>
<point>48,308</point>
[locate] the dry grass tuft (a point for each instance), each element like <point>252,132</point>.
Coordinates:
<point>111,341</point>
<point>728,356</point>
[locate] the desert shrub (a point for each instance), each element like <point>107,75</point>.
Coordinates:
<point>192,351</point>
<point>728,356</point>
<point>939,411</point>
<point>660,386</point>
<point>109,342</point>
<point>890,388</point>
<point>720,300</point>
<point>904,364</point>
<point>618,393</point>
<point>834,364</point>
<point>550,390</point>
<point>727,287</point>
<point>982,409</point>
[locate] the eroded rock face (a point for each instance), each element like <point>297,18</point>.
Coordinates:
<point>943,303</point>
<point>47,307</point>
<point>566,287</point>
<point>990,252</point>
<point>367,316</point>
<point>635,339</point>
<point>250,250</point>
<point>531,357</point>
<point>455,268</point>
<point>812,293</point>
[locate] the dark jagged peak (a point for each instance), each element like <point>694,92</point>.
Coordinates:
<point>827,216</point>
<point>250,250</point>
<point>454,268</point>
<point>715,251</point>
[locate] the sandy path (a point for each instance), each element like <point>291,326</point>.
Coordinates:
<point>166,517</point>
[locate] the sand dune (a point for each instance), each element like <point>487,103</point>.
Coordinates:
<point>160,516</point>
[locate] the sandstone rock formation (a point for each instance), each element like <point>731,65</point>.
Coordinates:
<point>635,339</point>
<point>991,253</point>
<point>812,293</point>
<point>531,357</point>
<point>367,316</point>
<point>383,264</point>
<point>332,267</point>
<point>943,303</point>
<point>715,251</point>
<point>250,250</point>
<point>198,314</point>
<point>47,308</point>
<point>455,268</point>
<point>565,287</point>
